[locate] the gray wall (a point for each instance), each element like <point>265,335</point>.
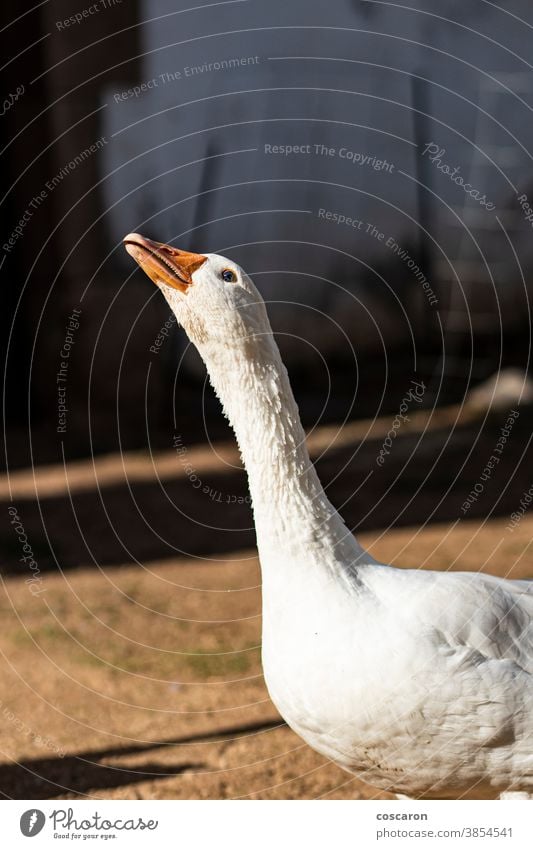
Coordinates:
<point>188,161</point>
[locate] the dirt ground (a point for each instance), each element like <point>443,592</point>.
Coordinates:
<point>145,682</point>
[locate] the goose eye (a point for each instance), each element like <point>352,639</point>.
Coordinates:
<point>229,276</point>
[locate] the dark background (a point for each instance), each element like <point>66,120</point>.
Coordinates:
<point>184,162</point>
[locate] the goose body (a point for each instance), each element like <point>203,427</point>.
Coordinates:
<point>419,682</point>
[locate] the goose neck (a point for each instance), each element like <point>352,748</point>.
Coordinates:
<point>291,511</point>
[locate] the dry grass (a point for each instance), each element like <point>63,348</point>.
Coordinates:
<point>146,682</point>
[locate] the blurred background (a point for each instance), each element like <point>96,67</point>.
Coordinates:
<point>369,163</point>
<point>253,131</point>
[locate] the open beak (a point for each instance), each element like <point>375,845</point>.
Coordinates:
<point>163,263</point>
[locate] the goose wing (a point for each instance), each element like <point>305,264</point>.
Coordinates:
<point>490,615</point>
<point>462,610</point>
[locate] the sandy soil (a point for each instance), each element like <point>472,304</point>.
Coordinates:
<point>133,682</point>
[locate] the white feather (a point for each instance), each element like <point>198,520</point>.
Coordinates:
<point>419,682</point>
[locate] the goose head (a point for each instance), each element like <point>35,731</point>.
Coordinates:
<point>211,296</point>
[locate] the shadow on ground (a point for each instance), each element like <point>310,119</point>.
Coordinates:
<point>426,478</point>
<point>47,778</point>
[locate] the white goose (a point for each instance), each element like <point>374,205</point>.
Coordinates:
<point>418,682</point>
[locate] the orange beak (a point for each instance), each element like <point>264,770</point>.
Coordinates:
<point>163,263</point>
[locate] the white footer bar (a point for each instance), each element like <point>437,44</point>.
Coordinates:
<point>230,824</point>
